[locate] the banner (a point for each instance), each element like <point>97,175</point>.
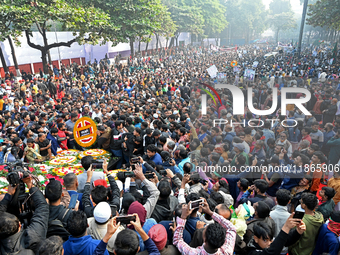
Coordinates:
<point>249,75</point>
<point>212,71</point>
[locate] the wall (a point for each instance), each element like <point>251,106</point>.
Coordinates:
<point>29,58</point>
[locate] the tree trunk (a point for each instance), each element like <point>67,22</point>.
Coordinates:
<point>171,42</point>
<point>132,50</point>
<point>139,46</point>
<point>157,39</point>
<point>310,32</point>
<point>3,61</point>
<point>176,41</point>
<point>166,44</point>
<point>277,35</point>
<point>14,56</point>
<point>44,61</point>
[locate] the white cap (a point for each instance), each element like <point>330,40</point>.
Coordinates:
<point>175,112</point>
<point>229,115</point>
<point>155,116</point>
<point>102,212</point>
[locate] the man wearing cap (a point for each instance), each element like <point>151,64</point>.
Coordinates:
<point>97,225</point>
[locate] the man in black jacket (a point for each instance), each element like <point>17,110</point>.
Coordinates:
<point>117,140</point>
<point>100,194</point>
<point>15,239</point>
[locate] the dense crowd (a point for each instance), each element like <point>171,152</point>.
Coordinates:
<point>192,185</point>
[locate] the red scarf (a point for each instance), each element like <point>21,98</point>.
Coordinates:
<point>334,227</point>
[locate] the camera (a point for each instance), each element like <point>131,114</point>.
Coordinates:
<point>16,172</point>
<point>97,163</point>
<point>20,204</point>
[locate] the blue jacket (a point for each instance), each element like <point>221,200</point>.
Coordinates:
<point>54,144</point>
<point>157,159</point>
<point>174,168</point>
<point>327,242</point>
<point>149,223</point>
<point>81,246</point>
<point>129,90</point>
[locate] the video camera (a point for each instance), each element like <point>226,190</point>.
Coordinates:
<point>20,204</point>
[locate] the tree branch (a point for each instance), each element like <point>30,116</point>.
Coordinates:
<point>65,44</point>
<point>32,45</point>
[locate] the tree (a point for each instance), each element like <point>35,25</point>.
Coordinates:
<point>214,17</point>
<point>7,18</point>
<point>281,22</point>
<point>87,24</point>
<point>133,18</point>
<point>324,13</point>
<point>246,18</point>
<point>187,16</point>
<point>282,16</point>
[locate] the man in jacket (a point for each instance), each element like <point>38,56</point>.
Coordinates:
<point>334,152</point>
<point>117,140</point>
<point>53,136</point>
<point>100,193</point>
<point>13,238</point>
<point>166,204</point>
<point>327,206</point>
<point>280,212</point>
<point>263,244</point>
<point>313,221</point>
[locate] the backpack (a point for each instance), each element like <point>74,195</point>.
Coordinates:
<point>57,226</point>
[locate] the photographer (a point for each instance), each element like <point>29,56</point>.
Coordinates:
<point>15,239</point>
<point>100,193</point>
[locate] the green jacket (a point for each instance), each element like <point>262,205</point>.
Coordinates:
<point>242,153</point>
<point>306,244</point>
<point>326,208</point>
<point>334,153</point>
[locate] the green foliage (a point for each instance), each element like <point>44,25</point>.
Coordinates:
<point>324,13</point>
<point>282,16</point>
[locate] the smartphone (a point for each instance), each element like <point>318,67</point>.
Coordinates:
<point>73,201</point>
<point>134,160</point>
<point>149,176</point>
<point>125,219</point>
<point>196,203</point>
<point>162,172</point>
<point>299,215</point>
<point>193,156</point>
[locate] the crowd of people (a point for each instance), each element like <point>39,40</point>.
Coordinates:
<point>192,185</point>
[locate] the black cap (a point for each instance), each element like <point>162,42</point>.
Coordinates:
<point>101,128</point>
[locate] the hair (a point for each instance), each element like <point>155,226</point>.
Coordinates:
<point>77,223</point>
<point>51,246</point>
<point>99,194</point>
<point>262,185</point>
<point>262,210</point>
<point>310,200</point>
<point>283,197</point>
<point>217,197</point>
<point>244,183</point>
<point>9,225</point>
<point>86,162</point>
<point>241,159</point>
<point>262,230</point>
<point>30,140</point>
<point>152,148</point>
<point>308,130</point>
<point>164,189</point>
<point>128,199</point>
<point>314,147</point>
<point>271,141</point>
<point>329,192</point>
<point>215,235</point>
<point>187,167</point>
<point>126,243</point>
<point>320,156</point>
<point>69,180</point>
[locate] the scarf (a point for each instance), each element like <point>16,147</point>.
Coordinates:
<point>334,227</point>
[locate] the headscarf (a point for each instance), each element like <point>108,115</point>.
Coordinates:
<point>334,227</point>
